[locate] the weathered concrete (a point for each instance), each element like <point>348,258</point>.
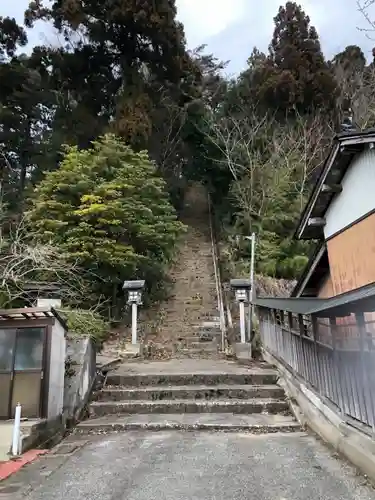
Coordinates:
<point>195,388</point>
<point>176,366</point>
<point>242,350</point>
<point>106,363</point>
<point>6,436</point>
<point>256,423</point>
<point>79,376</point>
<point>238,406</point>
<point>34,433</point>
<point>189,372</point>
<point>222,391</point>
<point>189,466</point>
<point>358,447</point>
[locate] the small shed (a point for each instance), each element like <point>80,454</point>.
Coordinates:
<point>32,362</point>
<point>43,294</point>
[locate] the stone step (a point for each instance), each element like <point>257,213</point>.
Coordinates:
<point>205,336</point>
<point>208,346</point>
<point>196,350</point>
<point>239,406</point>
<point>261,376</point>
<point>208,325</point>
<point>256,423</point>
<point>203,339</point>
<point>191,392</point>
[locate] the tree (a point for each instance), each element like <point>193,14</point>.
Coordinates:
<point>120,54</point>
<point>364,7</point>
<point>22,263</point>
<point>272,166</point>
<point>12,36</point>
<point>295,75</point>
<point>356,86</point>
<point>23,118</point>
<point>106,208</point>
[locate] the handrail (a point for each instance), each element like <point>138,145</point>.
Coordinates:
<point>219,289</point>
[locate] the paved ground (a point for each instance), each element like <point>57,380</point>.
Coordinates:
<point>189,466</point>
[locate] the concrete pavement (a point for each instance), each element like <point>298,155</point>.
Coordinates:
<point>174,465</point>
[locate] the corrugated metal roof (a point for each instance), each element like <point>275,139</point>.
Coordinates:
<point>361,299</point>
<point>293,305</point>
<point>31,313</point>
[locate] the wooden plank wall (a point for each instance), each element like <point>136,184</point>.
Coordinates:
<point>351,256</point>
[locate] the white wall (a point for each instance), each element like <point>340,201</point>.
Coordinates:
<point>48,302</point>
<point>57,371</point>
<point>357,197</point>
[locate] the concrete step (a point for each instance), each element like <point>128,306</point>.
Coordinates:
<point>208,325</point>
<point>213,335</point>
<point>205,338</point>
<point>197,350</point>
<point>256,376</point>
<point>191,392</point>
<point>210,346</point>
<point>197,339</point>
<point>256,424</point>
<point>239,406</point>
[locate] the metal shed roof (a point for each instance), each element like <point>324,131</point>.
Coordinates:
<point>359,300</point>
<point>31,313</point>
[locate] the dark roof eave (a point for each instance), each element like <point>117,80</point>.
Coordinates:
<point>315,193</point>
<point>309,269</point>
<point>341,140</point>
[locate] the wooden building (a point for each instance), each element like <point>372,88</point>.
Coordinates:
<point>340,214</point>
<point>325,332</point>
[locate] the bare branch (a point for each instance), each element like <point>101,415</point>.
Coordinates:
<point>363,7</point>
<point>357,87</point>
<point>266,158</point>
<point>22,262</point>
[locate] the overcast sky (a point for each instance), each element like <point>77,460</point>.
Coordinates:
<point>231,28</point>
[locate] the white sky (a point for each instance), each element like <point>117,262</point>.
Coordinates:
<point>231,28</point>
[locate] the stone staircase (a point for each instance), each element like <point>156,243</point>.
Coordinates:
<point>204,341</point>
<point>190,324</point>
<point>223,397</point>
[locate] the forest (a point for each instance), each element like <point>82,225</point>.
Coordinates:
<point>100,134</point>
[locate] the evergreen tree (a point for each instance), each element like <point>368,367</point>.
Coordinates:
<point>107,210</point>
<point>124,52</point>
<point>296,75</point>
<point>12,36</point>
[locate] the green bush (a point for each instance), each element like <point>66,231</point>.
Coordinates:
<point>83,322</point>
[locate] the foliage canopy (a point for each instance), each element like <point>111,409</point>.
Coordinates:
<point>106,208</point>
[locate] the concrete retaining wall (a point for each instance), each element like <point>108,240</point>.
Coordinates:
<point>310,410</point>
<point>79,375</point>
